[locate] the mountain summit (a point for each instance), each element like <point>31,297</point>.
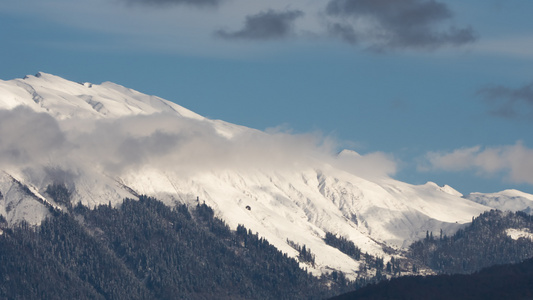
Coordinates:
<point>106,142</point>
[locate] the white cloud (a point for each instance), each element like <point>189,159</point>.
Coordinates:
<point>458,160</point>
<point>168,143</point>
<point>515,161</point>
<point>27,138</point>
<point>375,164</point>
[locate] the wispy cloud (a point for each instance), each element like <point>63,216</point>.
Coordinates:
<point>509,102</point>
<point>518,46</point>
<point>395,24</point>
<point>265,25</point>
<point>514,161</point>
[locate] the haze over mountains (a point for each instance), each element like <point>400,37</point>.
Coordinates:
<point>107,142</point>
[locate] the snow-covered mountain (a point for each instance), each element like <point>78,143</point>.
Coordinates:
<point>511,200</point>
<point>107,142</point>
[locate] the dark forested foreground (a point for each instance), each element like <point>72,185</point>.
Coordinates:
<point>499,282</point>
<point>146,250</point>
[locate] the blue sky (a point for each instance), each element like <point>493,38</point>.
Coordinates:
<point>443,88</point>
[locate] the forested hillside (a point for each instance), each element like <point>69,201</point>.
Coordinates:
<point>146,250</point>
<point>487,241</point>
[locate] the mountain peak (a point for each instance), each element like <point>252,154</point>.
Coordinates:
<point>64,99</point>
<point>43,75</point>
<point>511,200</point>
<point>38,75</point>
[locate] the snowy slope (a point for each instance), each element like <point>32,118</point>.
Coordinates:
<point>107,142</point>
<point>17,203</point>
<point>65,99</point>
<point>511,200</point>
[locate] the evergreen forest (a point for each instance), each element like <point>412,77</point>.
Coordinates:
<point>144,249</point>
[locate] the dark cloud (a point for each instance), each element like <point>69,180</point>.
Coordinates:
<point>176,2</point>
<point>344,31</point>
<point>508,102</point>
<point>392,24</point>
<point>58,175</point>
<point>265,26</point>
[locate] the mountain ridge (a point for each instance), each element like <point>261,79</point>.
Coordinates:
<point>113,143</point>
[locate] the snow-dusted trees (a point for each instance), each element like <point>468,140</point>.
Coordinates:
<point>59,193</point>
<point>343,244</point>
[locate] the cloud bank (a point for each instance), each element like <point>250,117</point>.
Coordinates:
<point>514,161</point>
<point>162,141</point>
